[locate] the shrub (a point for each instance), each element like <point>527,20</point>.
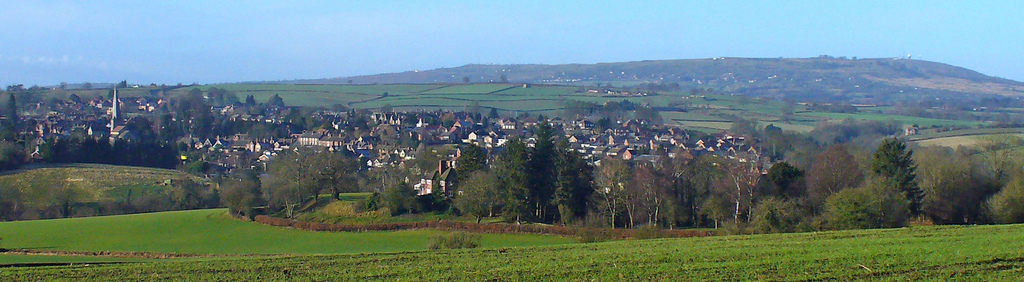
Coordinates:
<point>872,206</point>
<point>454,240</point>
<point>594,235</point>
<point>773,215</point>
<point>649,232</point>
<point>1007,206</point>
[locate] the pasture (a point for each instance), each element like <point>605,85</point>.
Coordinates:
<point>906,120</point>
<point>917,253</point>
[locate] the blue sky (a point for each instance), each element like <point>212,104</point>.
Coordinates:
<point>47,42</point>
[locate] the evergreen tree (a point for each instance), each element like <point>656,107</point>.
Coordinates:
<point>12,110</point>
<point>786,179</point>
<point>895,163</point>
<point>574,184</point>
<point>510,168</point>
<point>473,159</point>
<point>542,172</point>
<point>493,113</point>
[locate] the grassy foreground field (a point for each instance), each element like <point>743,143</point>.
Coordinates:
<point>920,253</point>
<point>212,232</point>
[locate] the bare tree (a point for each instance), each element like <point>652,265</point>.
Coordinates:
<point>612,177</point>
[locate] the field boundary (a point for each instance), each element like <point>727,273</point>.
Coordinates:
<point>497,228</point>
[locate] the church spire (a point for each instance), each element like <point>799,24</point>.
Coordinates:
<point>115,111</point>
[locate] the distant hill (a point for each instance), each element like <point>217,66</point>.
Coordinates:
<point>796,78</point>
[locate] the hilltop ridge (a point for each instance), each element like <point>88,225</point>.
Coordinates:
<point>798,78</point>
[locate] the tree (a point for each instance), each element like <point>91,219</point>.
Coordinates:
<point>493,113</point>
<point>290,181</point>
<point>874,205</point>
<point>275,101</point>
<point>465,79</point>
<point>738,184</point>
<point>504,78</point>
<point>187,194</point>
<point>775,215</point>
<point>240,194</point>
<point>473,158</point>
<point>12,111</point>
<point>541,169</point>
<point>895,163</point>
<point>400,198</point>
<point>574,184</point>
<point>646,194</point>
<point>12,156</point>
<point>87,86</point>
<point>479,195</point>
<point>511,170</point>
<point>693,182</point>
<point>611,178</point>
<point>334,172</point>
<point>955,185</point>
<point>832,171</point>
<point>250,100</point>
<point>1007,206</point>
<point>787,180</point>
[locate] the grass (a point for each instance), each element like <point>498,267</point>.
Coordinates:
<point>968,132</point>
<point>957,141</point>
<point>982,253</point>
<point>906,120</point>
<point>101,181</point>
<point>212,232</point>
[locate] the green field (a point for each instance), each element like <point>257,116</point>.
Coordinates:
<point>512,99</point>
<point>212,232</point>
<point>974,253</point>
<point>906,120</point>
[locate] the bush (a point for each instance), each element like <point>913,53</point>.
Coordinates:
<point>1007,206</point>
<point>594,235</point>
<point>773,215</point>
<point>454,240</point>
<point>872,206</point>
<point>649,232</point>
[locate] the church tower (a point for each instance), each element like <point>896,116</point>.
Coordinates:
<point>115,112</point>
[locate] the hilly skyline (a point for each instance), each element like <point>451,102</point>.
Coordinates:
<point>203,42</point>
<point>778,77</point>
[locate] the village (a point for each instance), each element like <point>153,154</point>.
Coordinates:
<point>378,139</point>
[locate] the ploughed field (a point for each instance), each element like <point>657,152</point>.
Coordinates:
<point>916,253</point>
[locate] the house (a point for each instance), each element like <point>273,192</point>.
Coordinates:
<point>507,124</point>
<point>441,181</point>
<point>309,139</point>
<point>910,130</point>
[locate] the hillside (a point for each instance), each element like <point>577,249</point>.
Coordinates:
<point>971,253</point>
<point>93,189</point>
<point>799,78</point>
